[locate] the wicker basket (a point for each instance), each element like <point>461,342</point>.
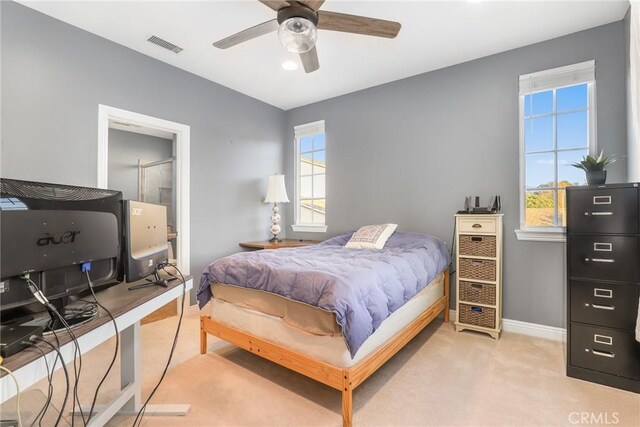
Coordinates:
<point>477,245</point>
<point>480,269</point>
<point>477,316</point>
<point>479,293</point>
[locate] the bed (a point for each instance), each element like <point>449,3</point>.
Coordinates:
<point>326,311</point>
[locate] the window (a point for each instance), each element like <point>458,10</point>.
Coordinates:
<point>310,198</point>
<point>557,128</point>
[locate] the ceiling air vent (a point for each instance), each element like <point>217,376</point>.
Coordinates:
<point>164,44</point>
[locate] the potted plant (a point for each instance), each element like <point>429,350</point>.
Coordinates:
<point>595,167</point>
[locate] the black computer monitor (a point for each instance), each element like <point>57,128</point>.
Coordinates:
<point>48,231</point>
<point>146,247</point>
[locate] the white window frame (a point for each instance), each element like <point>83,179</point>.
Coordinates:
<point>301,131</point>
<point>541,81</point>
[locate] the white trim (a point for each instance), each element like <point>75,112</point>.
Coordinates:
<point>567,75</point>
<point>183,142</point>
<point>526,328</point>
<point>306,228</point>
<point>140,130</point>
<point>308,129</point>
<point>552,235</point>
<point>534,330</point>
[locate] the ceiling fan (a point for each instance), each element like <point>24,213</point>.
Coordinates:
<point>297,24</point>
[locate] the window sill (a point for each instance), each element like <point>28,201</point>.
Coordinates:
<point>554,235</point>
<point>309,228</point>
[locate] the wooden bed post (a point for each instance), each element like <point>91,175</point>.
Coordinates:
<point>203,336</point>
<point>347,399</point>
<point>447,275</point>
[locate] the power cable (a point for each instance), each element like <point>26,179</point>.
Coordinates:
<point>47,402</point>
<point>17,393</point>
<point>142,410</point>
<point>115,353</point>
<point>66,375</point>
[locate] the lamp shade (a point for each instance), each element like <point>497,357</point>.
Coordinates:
<point>298,35</point>
<point>276,191</point>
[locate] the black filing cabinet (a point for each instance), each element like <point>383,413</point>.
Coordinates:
<point>603,280</point>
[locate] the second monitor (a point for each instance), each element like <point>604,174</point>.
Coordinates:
<point>147,250</point>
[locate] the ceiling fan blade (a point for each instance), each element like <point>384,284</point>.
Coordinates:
<point>310,60</point>
<point>312,4</point>
<point>335,21</point>
<point>248,34</point>
<point>275,4</point>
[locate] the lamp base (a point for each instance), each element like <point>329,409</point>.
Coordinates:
<point>275,240</point>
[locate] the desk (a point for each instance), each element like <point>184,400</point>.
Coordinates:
<point>127,307</point>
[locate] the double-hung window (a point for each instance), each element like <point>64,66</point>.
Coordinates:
<point>310,173</point>
<point>557,128</point>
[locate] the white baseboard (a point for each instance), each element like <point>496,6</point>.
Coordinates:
<point>525,328</point>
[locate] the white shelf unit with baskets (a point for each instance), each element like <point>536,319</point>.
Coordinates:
<point>479,273</point>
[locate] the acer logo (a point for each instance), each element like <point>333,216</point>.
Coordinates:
<point>56,239</point>
<point>136,211</point>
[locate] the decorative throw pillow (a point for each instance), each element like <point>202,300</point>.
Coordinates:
<point>371,236</point>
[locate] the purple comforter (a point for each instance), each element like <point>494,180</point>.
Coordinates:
<point>362,286</point>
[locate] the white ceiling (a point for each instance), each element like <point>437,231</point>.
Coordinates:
<point>434,34</point>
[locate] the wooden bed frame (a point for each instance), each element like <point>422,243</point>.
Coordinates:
<point>344,379</point>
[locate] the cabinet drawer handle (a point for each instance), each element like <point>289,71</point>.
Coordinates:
<point>603,354</point>
<point>599,260</point>
<point>476,226</point>
<point>476,239</point>
<point>602,293</point>
<point>477,285</point>
<point>602,247</point>
<point>600,213</point>
<point>476,262</point>
<point>601,200</point>
<point>603,307</point>
<point>602,339</point>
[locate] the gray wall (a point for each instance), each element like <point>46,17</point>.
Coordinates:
<point>53,78</point>
<point>633,145</point>
<point>409,151</point>
<point>125,148</point>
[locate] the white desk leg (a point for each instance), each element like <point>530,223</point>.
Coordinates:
<point>130,365</point>
<point>130,375</point>
<point>128,401</point>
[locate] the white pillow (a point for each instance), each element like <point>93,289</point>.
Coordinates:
<point>371,236</point>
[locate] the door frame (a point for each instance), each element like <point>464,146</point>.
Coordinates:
<point>182,139</point>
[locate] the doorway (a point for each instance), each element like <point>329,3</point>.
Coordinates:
<point>142,166</point>
<point>174,156</point>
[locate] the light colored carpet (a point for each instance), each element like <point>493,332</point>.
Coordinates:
<point>441,378</point>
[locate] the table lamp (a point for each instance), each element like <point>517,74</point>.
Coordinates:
<point>276,193</point>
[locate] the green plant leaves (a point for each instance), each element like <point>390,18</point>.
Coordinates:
<point>598,163</point>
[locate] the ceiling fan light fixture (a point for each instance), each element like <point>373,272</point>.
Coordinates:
<point>290,65</point>
<point>298,35</point>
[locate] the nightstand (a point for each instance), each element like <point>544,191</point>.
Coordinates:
<point>286,243</point>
